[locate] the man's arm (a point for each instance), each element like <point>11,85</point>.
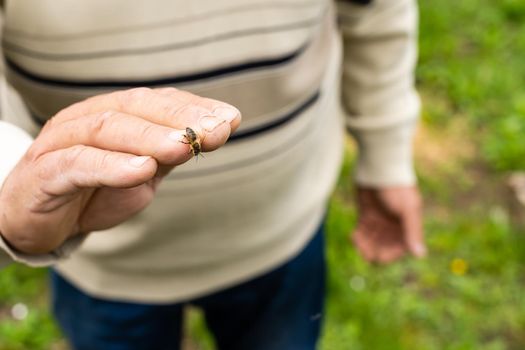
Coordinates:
<point>380,46</point>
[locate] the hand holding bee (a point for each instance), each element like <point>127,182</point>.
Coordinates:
<point>98,162</point>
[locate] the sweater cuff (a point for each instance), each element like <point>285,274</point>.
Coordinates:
<point>8,254</point>
<point>385,157</point>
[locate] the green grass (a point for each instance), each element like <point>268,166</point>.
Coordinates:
<point>19,284</point>
<point>470,74</point>
<point>471,54</point>
<point>423,304</point>
<point>471,78</point>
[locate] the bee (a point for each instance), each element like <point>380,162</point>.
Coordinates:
<point>193,140</point>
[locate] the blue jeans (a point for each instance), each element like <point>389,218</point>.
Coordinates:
<point>281,310</point>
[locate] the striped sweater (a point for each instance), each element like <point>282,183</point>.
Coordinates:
<point>282,63</point>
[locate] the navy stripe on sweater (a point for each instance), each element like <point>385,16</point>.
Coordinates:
<point>242,134</point>
<point>185,78</point>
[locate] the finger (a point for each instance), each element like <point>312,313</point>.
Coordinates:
<point>177,109</point>
<point>67,171</point>
<point>216,122</point>
<point>119,132</point>
<point>411,223</point>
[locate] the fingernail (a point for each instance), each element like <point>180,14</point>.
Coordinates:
<point>209,123</point>
<point>227,114</point>
<point>177,135</point>
<point>138,162</point>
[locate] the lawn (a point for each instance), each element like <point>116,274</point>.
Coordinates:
<point>468,294</point>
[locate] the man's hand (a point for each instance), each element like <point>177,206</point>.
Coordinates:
<point>98,162</point>
<point>389,224</point>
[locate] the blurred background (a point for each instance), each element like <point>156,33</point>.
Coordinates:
<point>470,152</point>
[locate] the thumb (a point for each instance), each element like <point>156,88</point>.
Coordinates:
<point>413,232</point>
<point>405,203</point>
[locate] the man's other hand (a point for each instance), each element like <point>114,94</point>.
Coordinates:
<point>389,224</point>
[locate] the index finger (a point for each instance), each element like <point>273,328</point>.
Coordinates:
<point>168,106</point>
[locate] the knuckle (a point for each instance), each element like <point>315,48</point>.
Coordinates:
<point>34,152</point>
<point>104,160</point>
<point>170,90</point>
<point>146,131</point>
<point>136,93</point>
<point>99,122</point>
<point>51,124</point>
<point>72,156</point>
<point>127,98</point>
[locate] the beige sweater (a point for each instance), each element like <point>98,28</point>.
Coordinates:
<point>253,204</point>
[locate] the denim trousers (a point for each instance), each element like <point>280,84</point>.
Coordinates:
<point>280,310</point>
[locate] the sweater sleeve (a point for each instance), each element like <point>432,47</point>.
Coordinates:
<point>381,104</point>
<point>13,144</point>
